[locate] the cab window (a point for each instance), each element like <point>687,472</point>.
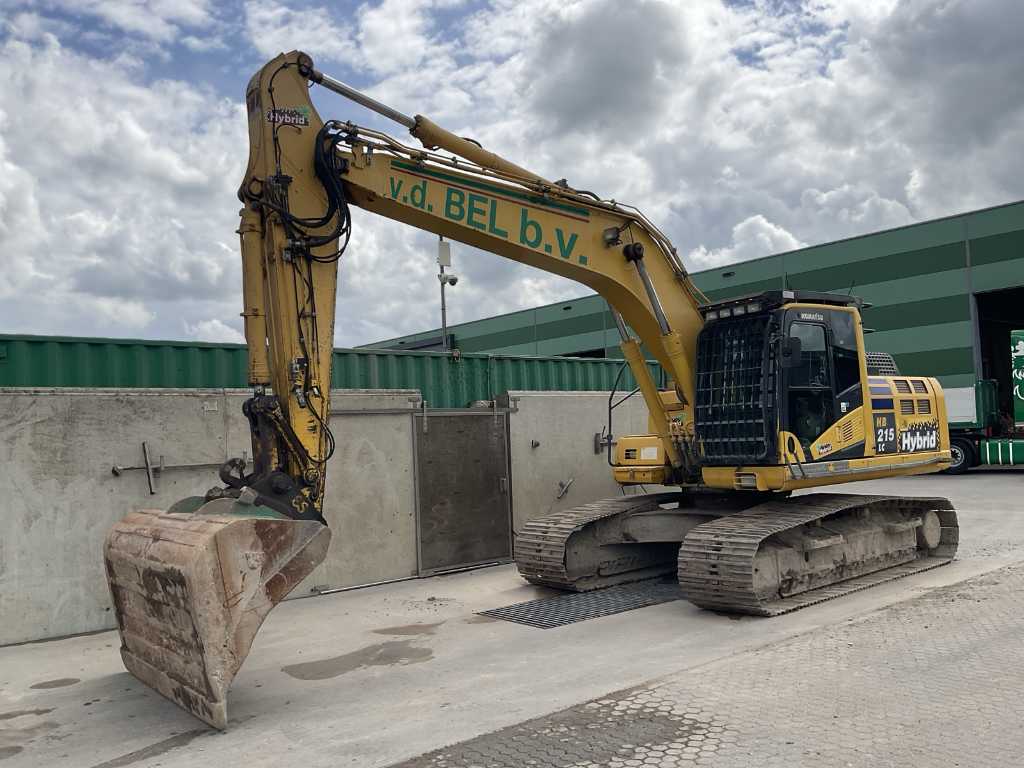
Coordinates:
<point>844,351</point>
<point>813,368</point>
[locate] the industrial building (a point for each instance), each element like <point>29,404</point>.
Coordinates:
<point>944,293</point>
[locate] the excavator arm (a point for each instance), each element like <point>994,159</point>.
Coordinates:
<point>301,177</point>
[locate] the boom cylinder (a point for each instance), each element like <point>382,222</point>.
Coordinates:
<point>671,340</point>
<point>623,334</point>
<point>433,135</point>
<point>427,131</point>
<point>634,252</point>
<point>358,97</point>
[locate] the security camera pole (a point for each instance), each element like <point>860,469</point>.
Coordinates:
<point>444,259</point>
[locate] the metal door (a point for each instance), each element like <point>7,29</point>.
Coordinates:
<point>462,476</point>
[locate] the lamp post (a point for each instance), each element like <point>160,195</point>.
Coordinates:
<point>444,259</point>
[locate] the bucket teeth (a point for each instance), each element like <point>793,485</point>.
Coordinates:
<point>190,592</point>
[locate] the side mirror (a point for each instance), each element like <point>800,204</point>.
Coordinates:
<point>789,352</point>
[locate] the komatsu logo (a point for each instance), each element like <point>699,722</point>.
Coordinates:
<point>920,437</point>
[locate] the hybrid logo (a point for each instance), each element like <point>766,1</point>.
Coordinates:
<point>920,437</point>
<point>289,116</point>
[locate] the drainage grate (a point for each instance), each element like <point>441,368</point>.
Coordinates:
<point>549,612</point>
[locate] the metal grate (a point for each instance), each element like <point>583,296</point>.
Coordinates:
<point>550,612</point>
<point>735,410</point>
<point>881,364</point>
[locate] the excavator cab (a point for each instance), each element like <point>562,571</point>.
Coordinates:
<point>786,398</point>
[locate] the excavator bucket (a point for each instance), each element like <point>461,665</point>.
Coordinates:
<point>191,589</point>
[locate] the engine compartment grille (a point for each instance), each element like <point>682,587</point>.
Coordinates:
<point>736,400</point>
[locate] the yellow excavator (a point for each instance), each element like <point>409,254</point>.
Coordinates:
<point>770,394</point>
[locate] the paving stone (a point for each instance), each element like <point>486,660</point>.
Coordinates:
<point>933,681</point>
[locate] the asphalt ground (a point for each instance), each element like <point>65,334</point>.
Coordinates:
<point>922,671</point>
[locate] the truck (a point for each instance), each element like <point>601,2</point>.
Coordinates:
<point>993,432</point>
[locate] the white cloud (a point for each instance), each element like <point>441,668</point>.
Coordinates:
<point>855,209</point>
<point>203,44</point>
<point>751,238</point>
<point>122,218</point>
<point>381,25</point>
<point>32,26</point>
<point>157,20</point>
<point>115,314</point>
<point>740,129</point>
<point>274,28</point>
<point>214,330</point>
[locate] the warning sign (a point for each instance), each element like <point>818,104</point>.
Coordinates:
<point>1017,375</point>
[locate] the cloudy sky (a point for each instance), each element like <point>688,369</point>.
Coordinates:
<point>742,128</point>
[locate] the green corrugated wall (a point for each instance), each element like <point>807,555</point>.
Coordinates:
<point>918,278</point>
<point>445,382</point>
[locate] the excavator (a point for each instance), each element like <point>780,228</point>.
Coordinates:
<point>769,394</point>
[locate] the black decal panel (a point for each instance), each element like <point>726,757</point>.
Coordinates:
<point>920,437</point>
<point>885,432</point>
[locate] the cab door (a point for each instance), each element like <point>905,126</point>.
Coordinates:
<point>822,383</point>
<point>809,405</point>
<point>846,357</point>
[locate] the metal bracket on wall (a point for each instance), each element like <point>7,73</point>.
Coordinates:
<point>152,470</point>
<point>603,441</point>
<point>507,403</point>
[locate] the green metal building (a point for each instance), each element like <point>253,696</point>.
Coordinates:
<point>944,293</point>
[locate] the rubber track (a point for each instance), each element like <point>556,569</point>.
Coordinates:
<point>716,560</point>
<point>540,547</point>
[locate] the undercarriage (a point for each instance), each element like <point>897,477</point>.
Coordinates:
<point>737,552</point>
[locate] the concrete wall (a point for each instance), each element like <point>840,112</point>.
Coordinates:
<point>564,423</point>
<point>58,496</point>
<point>371,493</point>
